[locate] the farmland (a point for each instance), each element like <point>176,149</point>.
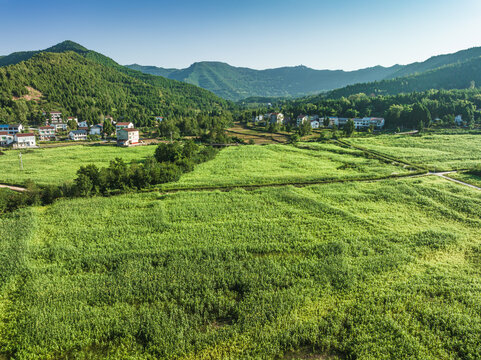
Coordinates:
<point>438,152</point>
<point>58,165</point>
<point>363,270</point>
<point>280,164</point>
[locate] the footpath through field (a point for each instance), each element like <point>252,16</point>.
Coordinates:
<point>13,188</point>
<point>443,175</point>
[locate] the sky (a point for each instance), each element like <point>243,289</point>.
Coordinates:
<point>260,34</point>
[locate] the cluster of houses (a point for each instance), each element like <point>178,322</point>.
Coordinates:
<point>316,122</point>
<point>359,123</point>
<point>12,135</point>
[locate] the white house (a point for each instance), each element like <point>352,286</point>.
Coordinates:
<point>12,129</point>
<point>46,133</point>
<point>24,141</point>
<point>258,118</point>
<point>72,119</point>
<point>127,137</point>
<point>366,122</point>
<point>77,135</point>
<point>315,124</point>
<point>159,118</point>
<point>458,120</point>
<point>96,129</point>
<point>301,119</point>
<point>6,138</point>
<point>124,125</point>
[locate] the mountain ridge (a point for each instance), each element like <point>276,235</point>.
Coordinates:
<point>238,83</point>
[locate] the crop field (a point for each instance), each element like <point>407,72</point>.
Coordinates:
<point>364,270</point>
<point>58,165</point>
<point>467,178</point>
<point>438,152</point>
<point>280,164</point>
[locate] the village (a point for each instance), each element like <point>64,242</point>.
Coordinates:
<point>317,122</point>
<point>17,136</point>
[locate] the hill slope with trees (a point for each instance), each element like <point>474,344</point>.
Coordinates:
<point>90,85</point>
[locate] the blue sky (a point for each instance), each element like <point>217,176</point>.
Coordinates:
<point>322,34</point>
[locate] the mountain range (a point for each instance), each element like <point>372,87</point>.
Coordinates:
<point>237,83</point>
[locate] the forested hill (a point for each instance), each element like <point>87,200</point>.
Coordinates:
<point>457,76</point>
<point>88,85</point>
<point>240,83</point>
<point>236,83</point>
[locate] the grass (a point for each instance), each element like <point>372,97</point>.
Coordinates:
<point>60,164</point>
<point>386,270</point>
<point>281,164</point>
<point>467,178</point>
<point>438,152</point>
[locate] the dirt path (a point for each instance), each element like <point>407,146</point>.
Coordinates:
<point>13,188</point>
<point>443,175</point>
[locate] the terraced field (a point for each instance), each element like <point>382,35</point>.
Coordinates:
<point>438,152</point>
<point>357,270</point>
<point>285,164</point>
<point>58,165</point>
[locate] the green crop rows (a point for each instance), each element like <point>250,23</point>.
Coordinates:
<point>438,152</point>
<point>58,165</point>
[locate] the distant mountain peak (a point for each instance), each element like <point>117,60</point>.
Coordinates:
<point>67,45</point>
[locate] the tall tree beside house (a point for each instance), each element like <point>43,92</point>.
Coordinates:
<point>304,128</point>
<point>349,128</point>
<point>108,128</point>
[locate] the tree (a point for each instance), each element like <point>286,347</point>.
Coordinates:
<point>108,128</point>
<point>326,121</point>
<point>171,152</point>
<point>349,128</point>
<point>304,128</point>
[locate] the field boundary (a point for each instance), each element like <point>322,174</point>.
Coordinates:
<point>383,156</point>
<point>294,183</point>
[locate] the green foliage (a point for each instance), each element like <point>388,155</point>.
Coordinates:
<point>281,164</point>
<point>366,270</point>
<point>435,151</point>
<point>404,110</point>
<point>88,89</point>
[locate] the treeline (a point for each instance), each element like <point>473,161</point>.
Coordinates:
<point>169,162</point>
<point>403,110</point>
<point>85,88</point>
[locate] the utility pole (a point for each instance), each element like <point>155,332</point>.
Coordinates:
<point>171,137</point>
<point>21,161</point>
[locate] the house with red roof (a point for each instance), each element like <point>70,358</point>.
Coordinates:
<point>124,125</point>
<point>46,133</point>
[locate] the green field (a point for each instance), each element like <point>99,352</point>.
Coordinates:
<point>438,152</point>
<point>280,164</point>
<point>58,165</point>
<point>375,270</point>
<point>467,178</point>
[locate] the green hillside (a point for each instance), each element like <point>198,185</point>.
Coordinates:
<point>240,83</point>
<point>88,84</point>
<point>235,83</point>
<point>456,76</point>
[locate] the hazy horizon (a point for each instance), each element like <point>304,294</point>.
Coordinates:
<point>335,35</point>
